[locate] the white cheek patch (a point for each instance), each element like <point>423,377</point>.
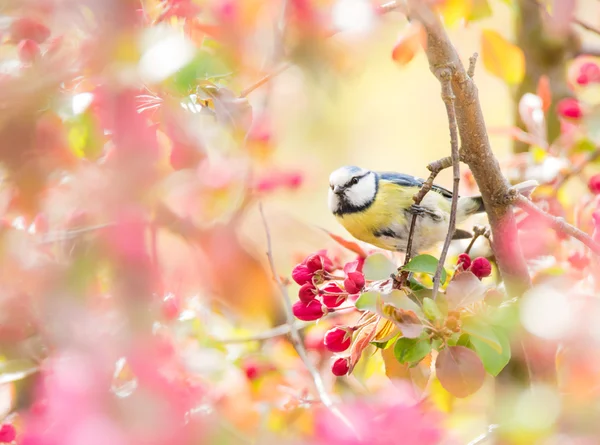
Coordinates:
<point>334,201</point>
<point>363,192</point>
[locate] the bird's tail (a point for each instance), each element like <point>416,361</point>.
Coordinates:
<point>470,205</point>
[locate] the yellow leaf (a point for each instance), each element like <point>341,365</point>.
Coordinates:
<point>441,398</point>
<point>502,58</point>
<point>454,11</point>
<point>393,368</point>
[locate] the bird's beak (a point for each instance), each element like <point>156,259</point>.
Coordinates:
<point>338,189</point>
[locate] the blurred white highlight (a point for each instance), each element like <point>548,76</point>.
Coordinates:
<point>546,313</point>
<point>352,15</point>
<point>537,408</point>
<point>165,51</point>
<point>81,102</point>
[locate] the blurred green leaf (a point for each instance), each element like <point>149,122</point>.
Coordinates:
<point>378,267</point>
<point>368,301</point>
<point>83,137</point>
<point>204,66</point>
<point>425,264</point>
<point>412,350</point>
<point>584,145</point>
<point>400,300</point>
<point>431,310</point>
<point>14,370</point>
<point>493,361</point>
<point>477,328</point>
<point>480,9</point>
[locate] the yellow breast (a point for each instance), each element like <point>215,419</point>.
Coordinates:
<point>386,211</point>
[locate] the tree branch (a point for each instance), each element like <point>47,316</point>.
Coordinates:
<point>445,77</point>
<point>558,224</point>
<point>476,150</point>
<point>295,335</point>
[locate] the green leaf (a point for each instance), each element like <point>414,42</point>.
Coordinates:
<point>412,350</point>
<point>204,66</point>
<point>400,300</point>
<point>493,361</point>
<point>431,310</point>
<point>368,301</point>
<point>378,267</point>
<point>425,264</point>
<point>384,344</point>
<point>477,328</point>
<point>464,340</point>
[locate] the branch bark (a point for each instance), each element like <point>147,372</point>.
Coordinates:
<point>476,151</point>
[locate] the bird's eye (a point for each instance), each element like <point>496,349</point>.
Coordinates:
<point>331,186</point>
<point>354,181</point>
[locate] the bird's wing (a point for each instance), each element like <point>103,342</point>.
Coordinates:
<point>412,181</point>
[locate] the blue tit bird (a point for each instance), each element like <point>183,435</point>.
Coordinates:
<point>377,208</point>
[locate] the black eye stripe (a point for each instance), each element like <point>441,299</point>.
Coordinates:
<point>355,179</point>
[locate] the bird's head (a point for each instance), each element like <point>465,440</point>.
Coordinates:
<point>351,189</point>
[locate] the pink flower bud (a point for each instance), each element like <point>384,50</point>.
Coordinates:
<point>354,282</point>
<point>28,28</point>
<point>327,262</point>
<point>7,433</point>
<point>313,310</point>
<point>481,267</point>
<point>341,366</point>
<point>28,50</point>
<point>594,184</point>
<point>338,339</point>
<point>579,261</point>
<point>314,263</point>
<point>301,274</point>
<point>588,72</point>
<point>307,292</point>
<point>333,295</point>
<point>465,260</point>
<point>569,108</point>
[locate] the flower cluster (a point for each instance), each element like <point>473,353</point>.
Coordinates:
<point>321,292</point>
<point>480,267</point>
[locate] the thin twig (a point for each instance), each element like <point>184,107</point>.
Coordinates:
<point>265,79</point>
<point>269,334</point>
<point>483,437</point>
<point>590,157</point>
<point>558,224</point>
<point>294,333</point>
<point>381,10</point>
<point>435,168</point>
<point>445,76</point>
<point>477,232</point>
<point>586,26</point>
